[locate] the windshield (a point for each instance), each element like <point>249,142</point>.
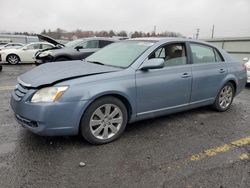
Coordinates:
<point>73,43</point>
<point>120,54</point>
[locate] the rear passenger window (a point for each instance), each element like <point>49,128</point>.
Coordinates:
<point>203,54</point>
<point>103,43</point>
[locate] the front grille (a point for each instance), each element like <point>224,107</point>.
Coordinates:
<point>20,92</point>
<point>26,122</point>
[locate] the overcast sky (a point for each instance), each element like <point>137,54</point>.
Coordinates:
<point>230,17</point>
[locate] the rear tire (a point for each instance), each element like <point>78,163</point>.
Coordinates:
<point>13,59</point>
<point>104,120</point>
<point>225,97</point>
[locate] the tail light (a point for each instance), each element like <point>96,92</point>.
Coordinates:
<point>244,67</point>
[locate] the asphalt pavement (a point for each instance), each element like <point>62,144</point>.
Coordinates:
<point>197,148</point>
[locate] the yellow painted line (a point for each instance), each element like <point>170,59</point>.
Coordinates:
<point>221,149</point>
<point>244,156</point>
<point>5,88</point>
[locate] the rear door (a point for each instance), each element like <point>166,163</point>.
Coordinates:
<point>208,69</point>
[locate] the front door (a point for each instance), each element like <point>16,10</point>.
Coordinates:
<point>27,54</point>
<point>159,90</point>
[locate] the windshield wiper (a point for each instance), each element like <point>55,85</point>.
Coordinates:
<point>96,62</point>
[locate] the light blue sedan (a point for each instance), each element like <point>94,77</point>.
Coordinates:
<point>125,82</point>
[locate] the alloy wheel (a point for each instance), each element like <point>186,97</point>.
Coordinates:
<point>226,96</point>
<point>13,59</point>
<point>106,121</point>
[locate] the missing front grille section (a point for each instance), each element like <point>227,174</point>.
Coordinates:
<point>27,122</point>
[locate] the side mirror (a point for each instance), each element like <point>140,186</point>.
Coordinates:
<point>78,48</point>
<point>154,63</point>
<point>245,59</point>
<point>25,48</point>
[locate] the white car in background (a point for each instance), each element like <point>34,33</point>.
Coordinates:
<point>24,54</point>
<point>248,71</point>
<point>11,45</point>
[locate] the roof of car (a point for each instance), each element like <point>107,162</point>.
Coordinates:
<point>169,39</point>
<point>156,39</point>
<point>99,38</point>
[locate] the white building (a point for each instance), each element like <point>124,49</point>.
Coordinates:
<point>239,47</point>
<point>18,38</point>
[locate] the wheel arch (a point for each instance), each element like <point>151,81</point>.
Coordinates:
<point>229,78</point>
<point>234,84</point>
<point>117,95</point>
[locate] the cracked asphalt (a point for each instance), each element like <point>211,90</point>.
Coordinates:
<point>151,153</point>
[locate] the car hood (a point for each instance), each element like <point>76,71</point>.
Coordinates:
<point>49,39</point>
<point>51,73</point>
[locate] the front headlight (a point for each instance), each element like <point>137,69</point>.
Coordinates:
<point>44,54</point>
<point>49,94</point>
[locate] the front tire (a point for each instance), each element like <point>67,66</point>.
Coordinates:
<point>225,98</point>
<point>104,120</point>
<point>13,59</point>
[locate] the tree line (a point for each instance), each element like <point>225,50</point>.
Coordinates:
<point>72,35</point>
<point>62,34</point>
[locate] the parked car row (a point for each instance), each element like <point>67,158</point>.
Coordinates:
<point>74,50</point>
<point>125,82</point>
<point>51,50</point>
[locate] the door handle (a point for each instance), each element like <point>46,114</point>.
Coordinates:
<point>222,70</point>
<point>185,75</point>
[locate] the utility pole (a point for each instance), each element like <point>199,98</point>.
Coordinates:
<point>197,33</point>
<point>155,29</point>
<point>213,32</point>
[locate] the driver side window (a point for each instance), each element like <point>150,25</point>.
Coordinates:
<point>173,54</point>
<point>90,44</point>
